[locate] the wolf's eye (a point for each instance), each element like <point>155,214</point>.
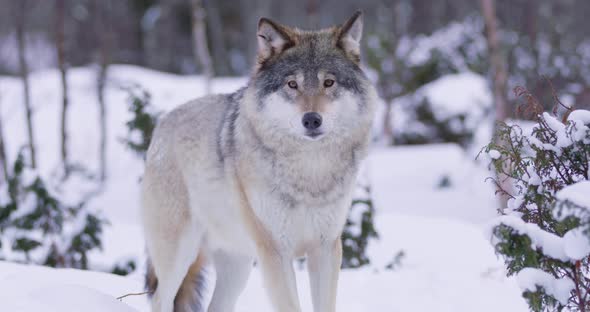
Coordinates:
<point>292,84</point>
<point>328,83</point>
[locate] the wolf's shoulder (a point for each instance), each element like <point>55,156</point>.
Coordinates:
<point>195,124</point>
<point>200,110</point>
<point>193,108</point>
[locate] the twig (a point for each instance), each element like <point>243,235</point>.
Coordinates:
<point>530,102</point>
<point>556,101</point>
<point>135,294</point>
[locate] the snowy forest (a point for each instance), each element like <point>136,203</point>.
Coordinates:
<point>475,195</point>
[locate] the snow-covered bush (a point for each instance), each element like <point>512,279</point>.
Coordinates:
<point>143,122</point>
<point>405,64</point>
<point>359,229</point>
<point>417,73</point>
<point>38,226</point>
<point>543,234</point>
<point>457,47</point>
<point>449,109</point>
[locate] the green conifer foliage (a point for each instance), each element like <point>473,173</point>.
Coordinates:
<point>537,224</point>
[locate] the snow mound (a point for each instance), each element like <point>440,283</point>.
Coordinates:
<point>452,108</point>
<point>463,93</point>
<point>32,288</point>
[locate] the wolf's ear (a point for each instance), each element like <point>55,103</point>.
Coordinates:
<point>273,38</point>
<point>349,36</point>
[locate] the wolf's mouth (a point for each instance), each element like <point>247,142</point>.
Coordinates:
<point>314,135</point>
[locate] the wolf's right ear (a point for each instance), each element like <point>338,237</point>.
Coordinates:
<point>348,36</point>
<point>273,38</point>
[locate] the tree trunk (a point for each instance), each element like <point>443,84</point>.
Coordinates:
<point>103,35</point>
<point>61,61</point>
<point>3,161</point>
<point>392,33</point>
<point>497,61</point>
<point>200,46</point>
<point>311,9</point>
<point>500,80</point>
<point>217,36</point>
<point>530,21</point>
<point>24,74</point>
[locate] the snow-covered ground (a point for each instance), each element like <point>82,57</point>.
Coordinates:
<point>432,206</point>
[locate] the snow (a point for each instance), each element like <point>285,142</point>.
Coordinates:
<point>494,154</point>
<point>573,246</point>
<point>553,123</point>
<point>431,277</point>
<point>575,132</point>
<point>462,93</point>
<point>463,100</point>
<point>405,180</point>
<point>576,244</point>
<point>32,288</point>
<point>581,115</point>
<point>530,278</point>
<point>578,194</point>
<point>448,262</point>
<point>551,244</point>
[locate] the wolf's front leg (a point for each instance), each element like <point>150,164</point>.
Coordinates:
<point>279,279</point>
<point>324,266</point>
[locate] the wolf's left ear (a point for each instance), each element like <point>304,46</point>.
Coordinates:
<point>349,36</point>
<point>273,38</point>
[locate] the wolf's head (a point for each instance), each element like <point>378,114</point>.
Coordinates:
<point>307,85</point>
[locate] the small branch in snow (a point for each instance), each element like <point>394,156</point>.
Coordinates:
<point>135,294</point>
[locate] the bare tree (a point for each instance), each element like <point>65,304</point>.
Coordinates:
<point>61,61</point>
<point>497,60</point>
<point>103,34</point>
<point>200,46</point>
<point>20,21</point>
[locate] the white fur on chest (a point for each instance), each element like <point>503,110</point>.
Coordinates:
<point>298,228</point>
<point>299,201</point>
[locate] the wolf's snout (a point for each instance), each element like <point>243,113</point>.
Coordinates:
<point>312,121</point>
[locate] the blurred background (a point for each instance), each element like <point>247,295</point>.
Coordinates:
<point>407,43</point>
<point>83,82</point>
<point>536,37</point>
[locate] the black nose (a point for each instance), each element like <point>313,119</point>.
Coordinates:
<point>312,121</point>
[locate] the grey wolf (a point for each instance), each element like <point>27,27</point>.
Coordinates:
<point>264,174</point>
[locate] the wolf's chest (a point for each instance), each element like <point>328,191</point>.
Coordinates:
<point>317,180</point>
<point>298,227</point>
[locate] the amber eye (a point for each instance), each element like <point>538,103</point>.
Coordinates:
<point>328,83</point>
<point>292,84</point>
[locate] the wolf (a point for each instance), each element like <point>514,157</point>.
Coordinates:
<point>263,175</point>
